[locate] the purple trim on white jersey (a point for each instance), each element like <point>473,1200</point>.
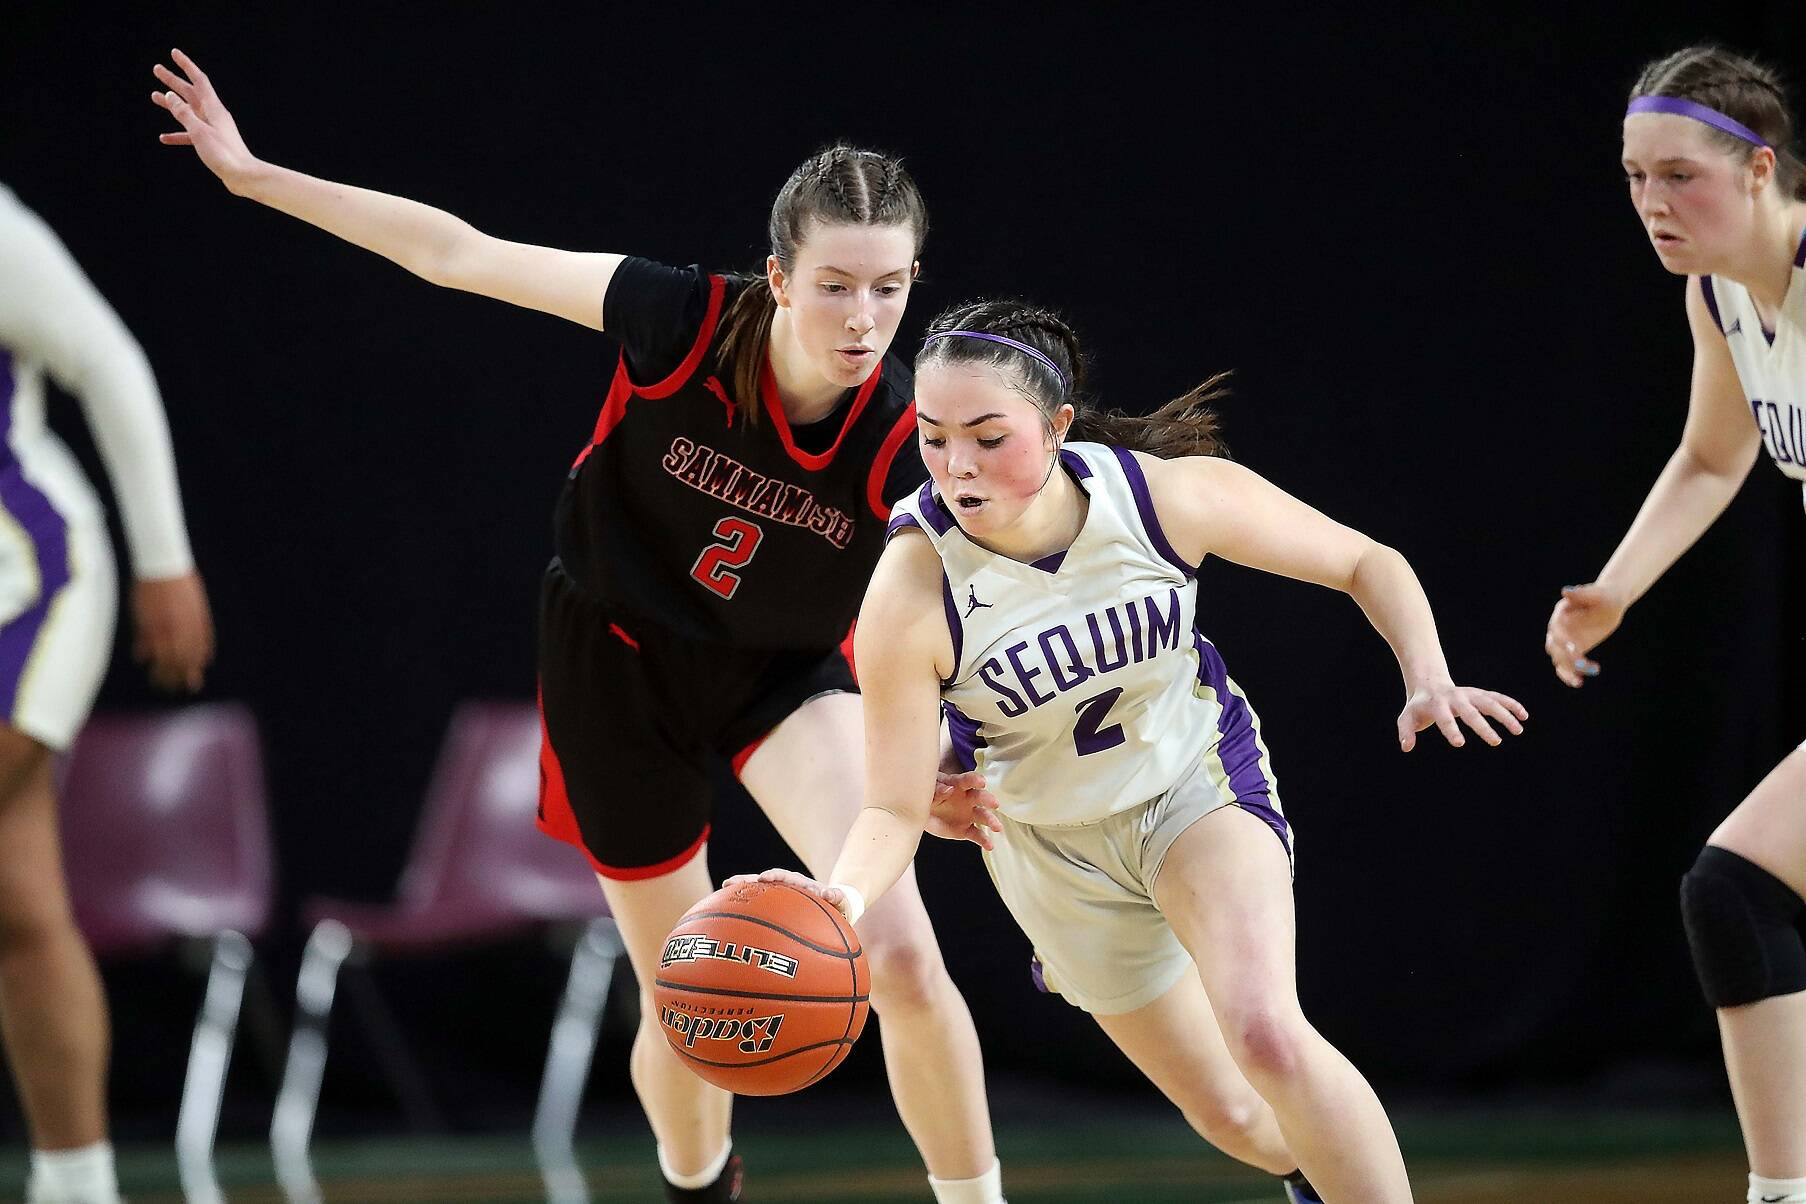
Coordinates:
<point>1711,296</point>
<point>50,545</point>
<point>898,521</point>
<point>1238,745</point>
<point>1037,974</point>
<point>1075,463</point>
<point>934,509</point>
<point>955,628</point>
<point>1799,261</point>
<point>1051,562</point>
<point>1144,502</point>
<point>962,730</point>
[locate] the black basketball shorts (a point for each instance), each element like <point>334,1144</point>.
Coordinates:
<point>631,715</point>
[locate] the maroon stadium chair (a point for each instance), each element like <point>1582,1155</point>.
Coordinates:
<point>479,870</point>
<point>166,837</point>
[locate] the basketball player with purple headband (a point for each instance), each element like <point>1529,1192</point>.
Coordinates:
<point>752,432</point>
<point>1143,848</point>
<point>1723,200</point>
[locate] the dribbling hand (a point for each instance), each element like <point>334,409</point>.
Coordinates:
<point>1584,617</point>
<point>963,809</point>
<point>1448,706</point>
<point>831,895</point>
<point>206,125</point>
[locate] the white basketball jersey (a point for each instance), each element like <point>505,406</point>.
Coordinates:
<point>1081,687</point>
<point>1772,371</point>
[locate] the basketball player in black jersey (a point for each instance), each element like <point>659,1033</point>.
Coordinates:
<point>713,543</point>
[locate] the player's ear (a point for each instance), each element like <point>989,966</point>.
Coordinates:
<point>915,270</point>
<point>779,283</point>
<point>1062,422</point>
<point>1761,168</point>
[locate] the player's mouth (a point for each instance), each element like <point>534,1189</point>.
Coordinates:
<point>969,503</point>
<point>855,355</point>
<point>1664,241</point>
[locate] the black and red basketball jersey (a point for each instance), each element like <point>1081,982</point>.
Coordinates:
<point>682,513</point>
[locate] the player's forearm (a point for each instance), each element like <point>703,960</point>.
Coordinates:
<point>1393,600</point>
<point>125,414</point>
<point>420,238</point>
<point>1687,498</point>
<point>877,851</point>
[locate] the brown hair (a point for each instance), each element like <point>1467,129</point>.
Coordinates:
<point>1184,426</point>
<point>841,185</point>
<point>1741,89</point>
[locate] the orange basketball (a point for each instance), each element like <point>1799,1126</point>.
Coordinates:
<point>762,988</point>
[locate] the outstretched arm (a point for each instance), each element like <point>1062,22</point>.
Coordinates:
<point>1718,446</point>
<point>428,242</point>
<point>1212,506</point>
<point>902,647</point>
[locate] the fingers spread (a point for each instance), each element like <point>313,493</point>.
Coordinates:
<point>1494,705</point>
<point>1471,716</point>
<point>1451,731</point>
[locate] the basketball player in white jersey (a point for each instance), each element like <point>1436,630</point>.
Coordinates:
<point>1724,203</point>
<point>58,597</point>
<point>1041,591</point>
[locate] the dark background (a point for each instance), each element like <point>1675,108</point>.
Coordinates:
<point>1404,229</point>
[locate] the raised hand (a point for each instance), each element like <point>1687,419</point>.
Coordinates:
<point>1582,619</point>
<point>172,631</point>
<point>963,809</point>
<point>206,125</point>
<point>1449,706</point>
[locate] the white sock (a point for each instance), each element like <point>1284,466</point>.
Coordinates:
<point>79,1176</point>
<point>1777,1191</point>
<point>986,1189</point>
<point>701,1178</point>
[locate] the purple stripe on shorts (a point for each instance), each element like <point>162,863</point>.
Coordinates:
<point>955,628</point>
<point>1261,806</point>
<point>1037,974</point>
<point>1711,296</point>
<point>898,521</point>
<point>1238,747</point>
<point>1144,502</point>
<point>49,537</point>
<point>934,510</point>
<point>963,731</point>
<point>1075,463</point>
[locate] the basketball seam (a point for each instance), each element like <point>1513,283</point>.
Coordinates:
<point>853,970</point>
<point>700,989</point>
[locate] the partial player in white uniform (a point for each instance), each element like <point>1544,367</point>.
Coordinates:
<point>1042,593</point>
<point>1724,203</point>
<point>58,599</point>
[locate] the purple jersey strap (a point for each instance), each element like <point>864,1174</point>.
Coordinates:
<point>1699,112</point>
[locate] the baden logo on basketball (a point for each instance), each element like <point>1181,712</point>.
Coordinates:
<point>753,1033</point>
<point>690,947</point>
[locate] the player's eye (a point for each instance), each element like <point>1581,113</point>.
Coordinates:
<point>994,441</point>
<point>934,440</point>
<point>890,290</point>
<point>829,286</point>
<point>1679,177</point>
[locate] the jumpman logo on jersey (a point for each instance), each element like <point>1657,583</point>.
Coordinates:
<point>714,386</point>
<point>1736,327</point>
<point>972,602</point>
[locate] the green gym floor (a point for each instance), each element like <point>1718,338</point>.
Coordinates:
<point>1462,1157</point>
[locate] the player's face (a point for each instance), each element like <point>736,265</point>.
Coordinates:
<point>1693,198</point>
<point>985,444</point>
<point>846,294</point>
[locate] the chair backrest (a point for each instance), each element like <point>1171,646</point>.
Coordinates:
<point>477,847</point>
<point>165,826</point>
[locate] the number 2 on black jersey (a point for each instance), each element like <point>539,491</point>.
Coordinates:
<point>739,539</point>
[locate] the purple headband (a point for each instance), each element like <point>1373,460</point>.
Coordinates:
<point>1699,112</point>
<point>1024,348</point>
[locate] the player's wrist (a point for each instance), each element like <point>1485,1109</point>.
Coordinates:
<point>852,902</point>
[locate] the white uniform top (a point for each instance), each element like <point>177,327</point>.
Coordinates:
<point>53,320</point>
<point>1772,370</point>
<point>1081,687</point>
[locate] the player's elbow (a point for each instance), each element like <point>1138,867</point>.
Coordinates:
<point>455,259</point>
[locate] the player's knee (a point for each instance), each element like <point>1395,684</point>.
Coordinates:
<point>906,970</point>
<point>1268,1042</point>
<point>1740,922</point>
<point>1224,1121</point>
<point>31,914</point>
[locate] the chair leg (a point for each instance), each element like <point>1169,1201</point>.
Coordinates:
<point>568,1060</point>
<point>197,1120</point>
<point>298,1098</point>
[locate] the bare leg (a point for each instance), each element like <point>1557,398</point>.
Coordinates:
<point>809,776</point>
<point>53,1014</point>
<point>1177,1044</point>
<point>1765,1042</point>
<point>689,1117</point>
<point>1226,889</point>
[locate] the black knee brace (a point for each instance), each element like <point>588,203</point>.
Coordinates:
<point>1741,927</point>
